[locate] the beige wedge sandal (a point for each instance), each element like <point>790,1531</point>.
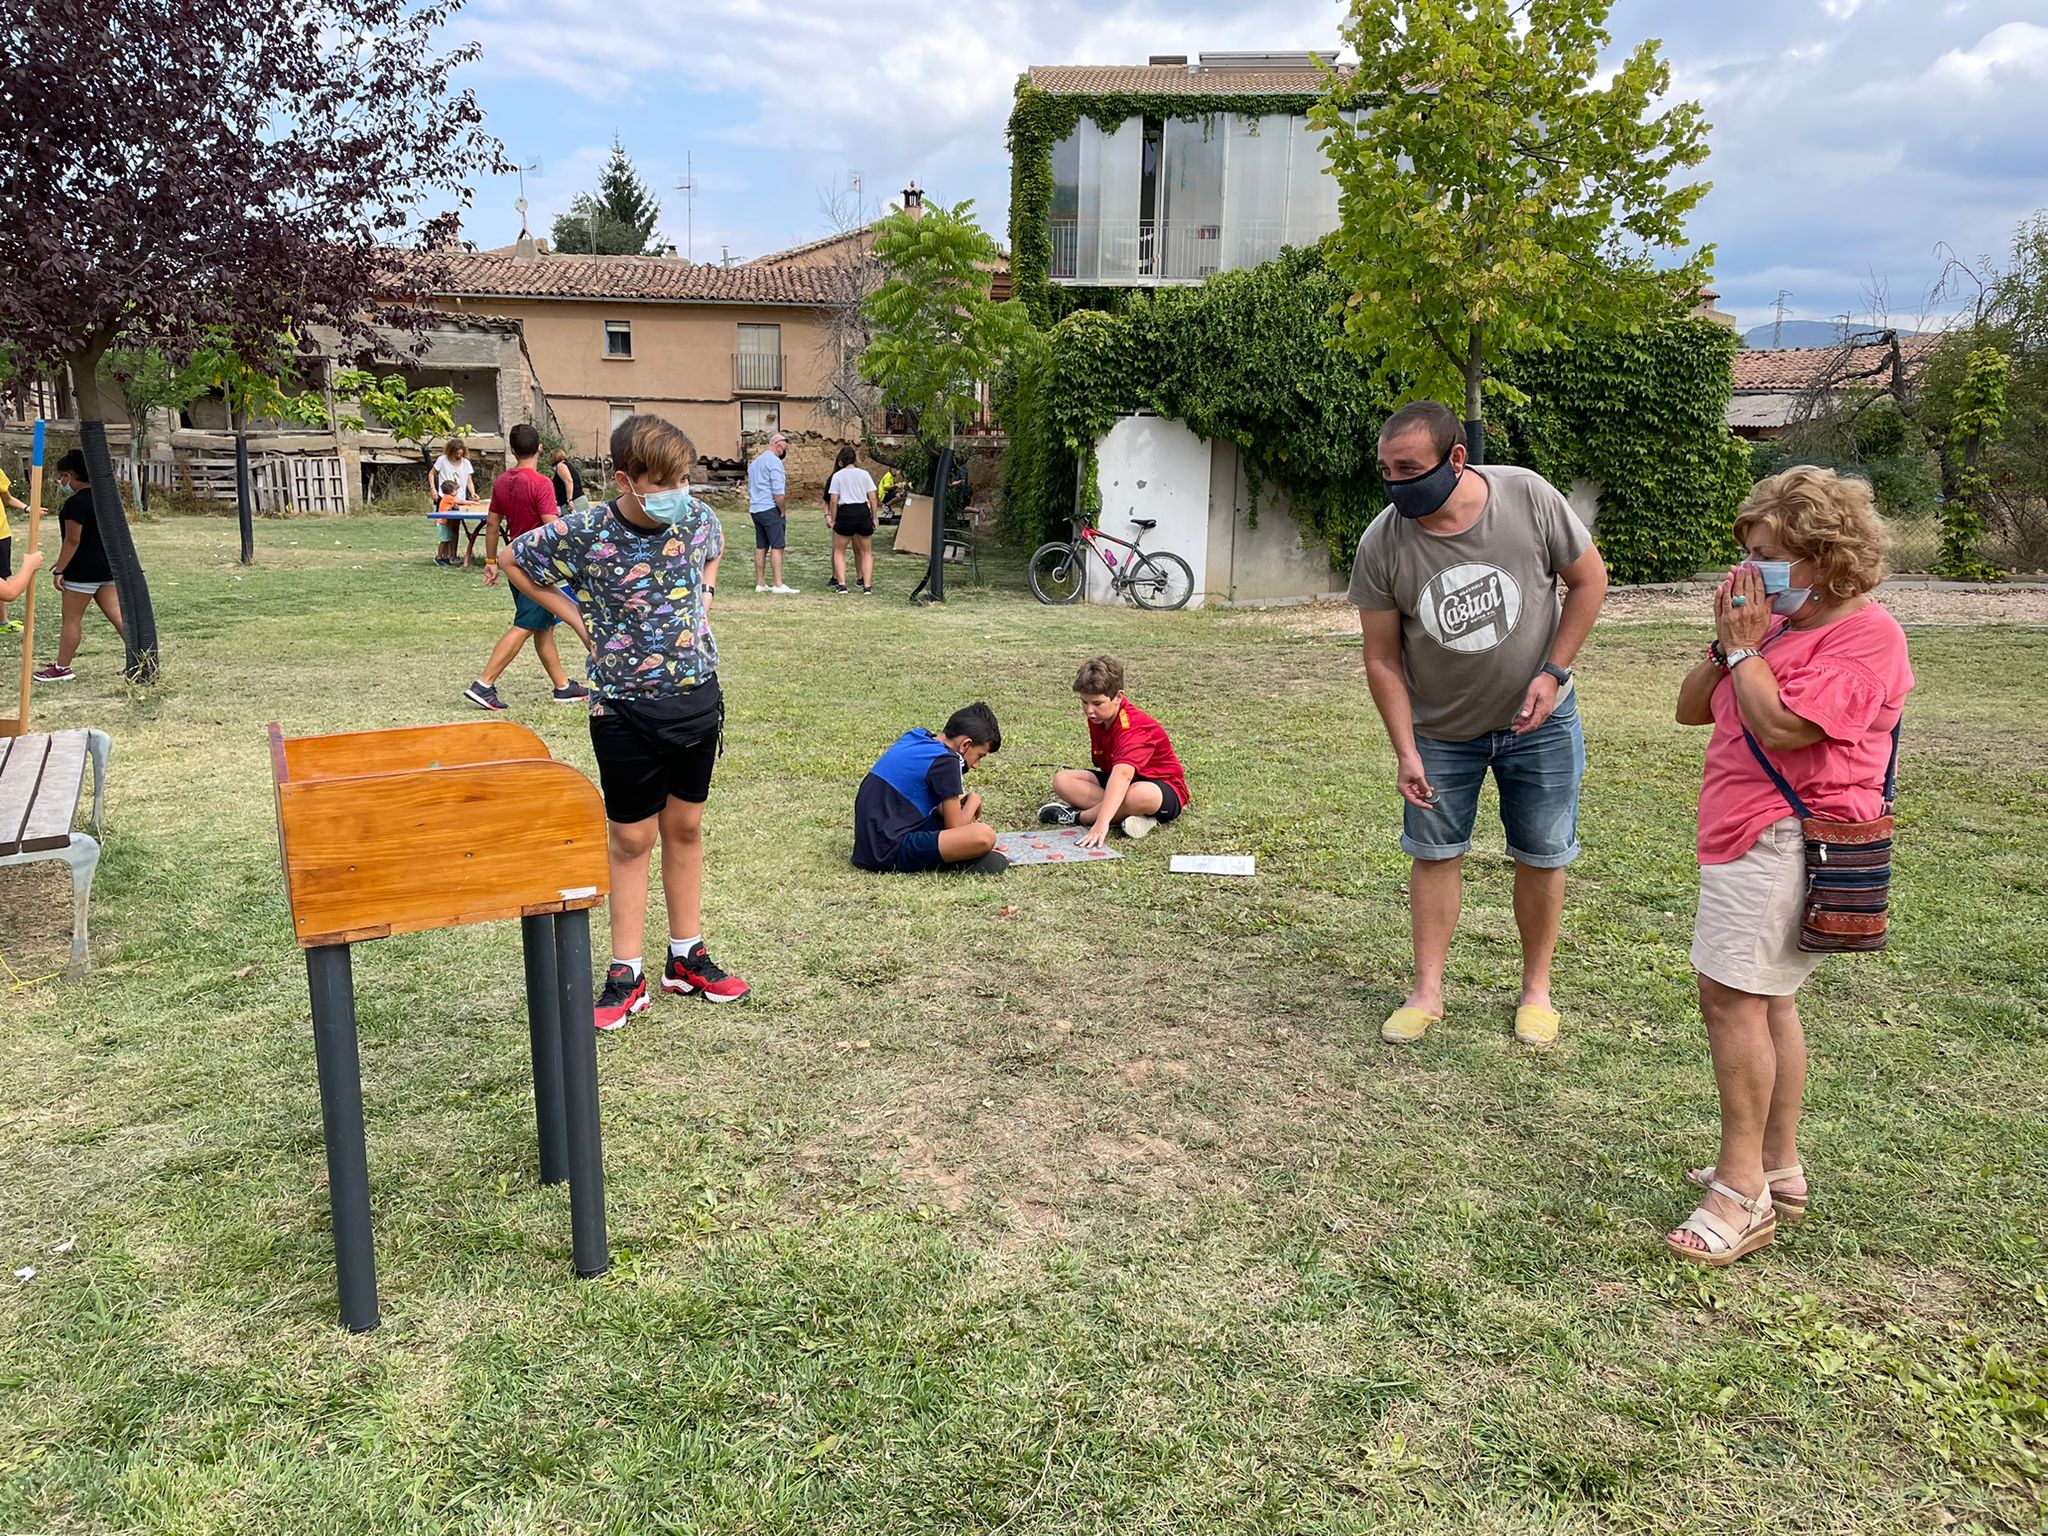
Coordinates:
<point>1791,1207</point>
<point>1725,1242</point>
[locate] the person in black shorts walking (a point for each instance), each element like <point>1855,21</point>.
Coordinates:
<point>851,506</point>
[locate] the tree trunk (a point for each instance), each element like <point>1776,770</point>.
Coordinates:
<point>138,617</point>
<point>245,498</point>
<point>1475,379</point>
<point>942,489</point>
<point>93,398</point>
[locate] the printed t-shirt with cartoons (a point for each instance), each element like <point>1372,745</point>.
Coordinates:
<point>1479,609</point>
<point>641,592</point>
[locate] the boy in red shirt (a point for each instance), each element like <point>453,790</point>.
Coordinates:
<point>1136,778</point>
<point>521,500</point>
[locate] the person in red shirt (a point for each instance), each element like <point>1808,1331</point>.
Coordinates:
<point>1136,782</point>
<point>521,500</point>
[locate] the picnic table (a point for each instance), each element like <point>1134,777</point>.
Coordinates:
<point>41,776</point>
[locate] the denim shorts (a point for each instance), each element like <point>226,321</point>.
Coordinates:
<point>1538,776</point>
<point>771,529</point>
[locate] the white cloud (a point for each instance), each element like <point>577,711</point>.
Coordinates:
<point>2014,52</point>
<point>1841,10</point>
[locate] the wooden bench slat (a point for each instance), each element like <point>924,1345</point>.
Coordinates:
<point>56,804</point>
<point>19,775</point>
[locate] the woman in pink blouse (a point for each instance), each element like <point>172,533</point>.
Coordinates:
<point>1818,674</point>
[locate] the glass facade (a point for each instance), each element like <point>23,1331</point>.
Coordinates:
<point>1177,201</point>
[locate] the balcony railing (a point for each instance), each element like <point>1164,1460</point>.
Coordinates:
<point>1166,251</point>
<point>757,373</point>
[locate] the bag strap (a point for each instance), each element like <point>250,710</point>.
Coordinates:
<point>1791,796</point>
<point>1891,774</point>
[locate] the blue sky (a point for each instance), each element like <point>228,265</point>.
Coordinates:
<point>1850,136</point>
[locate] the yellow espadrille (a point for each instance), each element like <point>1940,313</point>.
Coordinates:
<point>1405,1026</point>
<point>1536,1026</point>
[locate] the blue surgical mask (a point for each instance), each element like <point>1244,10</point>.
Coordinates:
<point>1425,493</point>
<point>1786,599</point>
<point>669,507</point>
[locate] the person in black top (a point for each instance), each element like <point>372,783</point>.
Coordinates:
<point>568,483</point>
<point>81,572</point>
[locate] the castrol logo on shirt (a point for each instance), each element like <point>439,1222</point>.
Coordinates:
<point>1470,607</point>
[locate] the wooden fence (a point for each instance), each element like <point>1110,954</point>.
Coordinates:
<point>283,482</point>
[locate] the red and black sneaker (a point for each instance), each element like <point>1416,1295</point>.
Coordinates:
<point>697,972</point>
<point>624,994</point>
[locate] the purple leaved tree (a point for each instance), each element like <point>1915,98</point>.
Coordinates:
<point>235,172</point>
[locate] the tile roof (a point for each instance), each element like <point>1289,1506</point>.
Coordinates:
<point>649,278</point>
<point>810,247</point>
<point>1115,79</point>
<point>1794,370</point>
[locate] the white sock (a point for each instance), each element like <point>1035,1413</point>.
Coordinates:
<point>682,947</point>
<point>632,965</point>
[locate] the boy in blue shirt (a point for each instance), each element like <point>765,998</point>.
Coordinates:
<point>913,813</point>
<point>643,570</point>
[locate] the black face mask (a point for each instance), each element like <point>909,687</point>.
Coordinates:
<point>1426,492</point>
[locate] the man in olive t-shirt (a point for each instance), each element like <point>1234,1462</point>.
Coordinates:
<point>1469,656</point>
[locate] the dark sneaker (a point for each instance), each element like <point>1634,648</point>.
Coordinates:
<point>867,591</point>
<point>697,972</point>
<point>837,586</point>
<point>1057,813</point>
<point>571,693</point>
<point>624,995</point>
<point>54,674</point>
<point>990,863</point>
<point>483,696</point>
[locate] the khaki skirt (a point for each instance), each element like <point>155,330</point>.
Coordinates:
<point>1746,934</point>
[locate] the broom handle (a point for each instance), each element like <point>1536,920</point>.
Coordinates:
<point>28,621</point>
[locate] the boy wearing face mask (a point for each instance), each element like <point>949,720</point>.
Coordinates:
<point>1469,660</point>
<point>644,569</point>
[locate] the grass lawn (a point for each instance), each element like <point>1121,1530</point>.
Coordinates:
<point>1071,1201</point>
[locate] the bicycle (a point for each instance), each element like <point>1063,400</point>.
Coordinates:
<point>1155,579</point>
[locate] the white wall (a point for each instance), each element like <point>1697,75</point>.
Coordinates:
<point>1151,467</point>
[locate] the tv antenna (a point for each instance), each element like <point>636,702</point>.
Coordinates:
<point>688,187</point>
<point>520,203</point>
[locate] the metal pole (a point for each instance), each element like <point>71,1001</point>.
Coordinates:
<point>544,1024</point>
<point>579,1092</point>
<point>331,981</point>
<point>245,498</point>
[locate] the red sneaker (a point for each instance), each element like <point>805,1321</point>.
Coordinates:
<point>624,995</point>
<point>697,972</point>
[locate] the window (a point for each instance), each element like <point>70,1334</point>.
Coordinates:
<point>618,338</point>
<point>759,416</point>
<point>757,366</point>
<point>620,413</point>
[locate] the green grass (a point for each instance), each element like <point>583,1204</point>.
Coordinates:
<point>1073,1201</point>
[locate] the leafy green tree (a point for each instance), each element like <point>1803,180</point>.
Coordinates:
<point>618,220</point>
<point>936,334</point>
<point>1978,421</point>
<point>421,417</point>
<point>1495,198</point>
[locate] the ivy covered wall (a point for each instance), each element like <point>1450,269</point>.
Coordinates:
<point>1249,356</point>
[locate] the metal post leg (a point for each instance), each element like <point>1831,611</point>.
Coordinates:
<point>332,983</point>
<point>579,1091</point>
<point>544,1024</point>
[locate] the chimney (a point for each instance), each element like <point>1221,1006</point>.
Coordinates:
<point>913,200</point>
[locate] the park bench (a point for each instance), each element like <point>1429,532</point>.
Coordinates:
<point>41,776</point>
<point>390,832</point>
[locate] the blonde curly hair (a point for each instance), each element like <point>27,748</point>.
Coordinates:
<point>1815,514</point>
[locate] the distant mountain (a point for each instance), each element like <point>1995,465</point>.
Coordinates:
<point>1801,333</point>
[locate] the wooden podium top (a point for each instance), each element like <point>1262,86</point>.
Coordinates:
<point>386,832</point>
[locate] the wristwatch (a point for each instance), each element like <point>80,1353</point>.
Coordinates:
<point>1562,674</point>
<point>1737,657</point>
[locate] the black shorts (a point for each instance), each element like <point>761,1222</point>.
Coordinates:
<point>651,749</point>
<point>7,556</point>
<point>854,522</point>
<point>1169,802</point>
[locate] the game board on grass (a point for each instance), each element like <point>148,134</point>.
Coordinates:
<point>1050,845</point>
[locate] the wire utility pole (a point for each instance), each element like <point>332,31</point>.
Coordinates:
<point>688,187</point>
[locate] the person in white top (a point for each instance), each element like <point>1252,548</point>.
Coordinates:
<point>850,509</point>
<point>453,464</point>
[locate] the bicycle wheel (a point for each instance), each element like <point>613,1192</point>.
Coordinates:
<point>1059,574</point>
<point>1161,581</point>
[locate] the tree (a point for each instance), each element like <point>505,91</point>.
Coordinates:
<point>852,274</point>
<point>1978,421</point>
<point>936,333</point>
<point>618,220</point>
<point>240,167</point>
<point>421,417</point>
<point>1494,198</point>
